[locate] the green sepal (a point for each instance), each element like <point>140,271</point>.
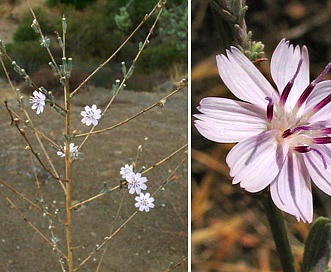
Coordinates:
<point>317,247</point>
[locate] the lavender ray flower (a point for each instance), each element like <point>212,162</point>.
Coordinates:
<point>91,115</point>
<point>136,182</point>
<point>144,202</point>
<point>73,151</point>
<point>126,171</point>
<point>38,101</point>
<point>283,136</point>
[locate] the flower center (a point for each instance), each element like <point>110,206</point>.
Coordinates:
<point>295,128</point>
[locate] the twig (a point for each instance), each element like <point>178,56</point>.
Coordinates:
<point>174,266</point>
<point>158,103</point>
<point>165,159</point>
<point>73,207</point>
<point>160,5</point>
<point>30,147</point>
<point>33,227</point>
<point>27,200</point>
<point>31,123</point>
<point>147,16</point>
<point>117,187</point>
<point>106,240</point>
<point>111,230</point>
<point>27,124</point>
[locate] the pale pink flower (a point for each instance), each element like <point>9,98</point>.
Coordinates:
<point>126,171</point>
<point>38,101</point>
<point>144,202</point>
<point>136,182</point>
<point>91,115</point>
<point>73,151</point>
<point>283,134</point>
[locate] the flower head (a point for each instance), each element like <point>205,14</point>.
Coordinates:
<point>73,151</point>
<point>38,101</point>
<point>136,182</point>
<point>144,202</point>
<point>91,115</point>
<point>283,135</point>
<point>126,171</point>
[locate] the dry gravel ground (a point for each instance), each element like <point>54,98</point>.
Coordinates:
<point>151,241</point>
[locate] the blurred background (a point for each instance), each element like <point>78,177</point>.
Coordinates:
<point>229,227</point>
<point>96,28</point>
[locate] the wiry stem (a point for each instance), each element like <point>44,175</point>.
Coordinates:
<point>29,223</point>
<point>68,178</point>
<point>156,104</point>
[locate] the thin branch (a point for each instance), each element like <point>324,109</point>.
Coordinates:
<point>30,147</point>
<point>118,186</point>
<point>30,121</point>
<point>165,159</point>
<point>156,104</point>
<point>106,240</point>
<point>28,222</point>
<point>147,16</point>
<point>28,200</point>
<point>27,124</point>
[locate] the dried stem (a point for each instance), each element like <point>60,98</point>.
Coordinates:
<point>159,5</point>
<point>68,178</point>
<point>30,147</point>
<point>118,186</point>
<point>33,226</point>
<point>147,16</point>
<point>156,104</point>
<point>106,240</point>
<point>27,200</point>
<point>165,159</point>
<point>55,175</point>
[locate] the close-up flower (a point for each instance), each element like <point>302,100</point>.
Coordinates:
<point>91,115</point>
<point>283,135</point>
<point>144,202</point>
<point>136,183</point>
<point>126,171</point>
<point>38,101</point>
<point>73,151</point>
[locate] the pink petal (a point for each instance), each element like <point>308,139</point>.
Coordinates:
<point>322,90</point>
<point>291,189</point>
<point>243,79</point>
<point>256,161</point>
<point>283,65</point>
<point>314,163</point>
<point>228,121</point>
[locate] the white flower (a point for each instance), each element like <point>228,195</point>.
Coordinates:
<point>126,170</point>
<point>136,182</point>
<point>73,151</point>
<point>38,101</point>
<point>91,115</point>
<point>283,135</point>
<point>144,202</point>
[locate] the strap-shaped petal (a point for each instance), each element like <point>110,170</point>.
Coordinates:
<point>256,161</point>
<point>291,189</point>
<point>227,121</point>
<point>283,65</point>
<point>243,79</point>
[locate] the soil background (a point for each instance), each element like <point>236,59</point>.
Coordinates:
<point>152,241</point>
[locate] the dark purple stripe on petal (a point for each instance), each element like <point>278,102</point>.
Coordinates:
<point>322,103</point>
<point>311,86</point>
<point>305,149</point>
<point>270,109</point>
<point>289,85</point>
<point>322,140</point>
